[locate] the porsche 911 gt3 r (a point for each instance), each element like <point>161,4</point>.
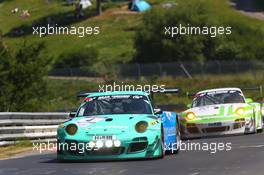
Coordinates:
<point>220,111</point>
<point>117,125</point>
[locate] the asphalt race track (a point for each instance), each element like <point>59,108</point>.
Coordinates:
<point>245,158</point>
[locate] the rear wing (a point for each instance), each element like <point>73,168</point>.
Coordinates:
<point>84,94</point>
<point>164,91</point>
<point>150,92</point>
<point>256,88</point>
<point>190,94</point>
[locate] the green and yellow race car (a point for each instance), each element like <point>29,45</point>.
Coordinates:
<point>219,112</point>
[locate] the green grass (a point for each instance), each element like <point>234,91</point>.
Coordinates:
<point>19,147</point>
<point>63,92</point>
<point>116,41</point>
<point>115,44</point>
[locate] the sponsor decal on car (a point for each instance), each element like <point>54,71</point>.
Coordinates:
<point>153,122</point>
<point>88,121</point>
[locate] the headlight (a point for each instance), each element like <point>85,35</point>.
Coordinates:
<point>71,129</point>
<point>141,126</point>
<point>91,144</point>
<point>240,111</point>
<point>109,143</point>
<point>190,116</point>
<point>99,143</point>
<point>117,143</point>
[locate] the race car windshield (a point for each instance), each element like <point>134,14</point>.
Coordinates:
<point>212,98</point>
<point>115,104</point>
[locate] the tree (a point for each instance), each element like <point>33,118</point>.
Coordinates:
<point>153,45</point>
<point>5,87</point>
<point>22,77</point>
<point>84,58</point>
<point>98,7</point>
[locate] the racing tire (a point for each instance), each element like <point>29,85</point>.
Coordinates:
<point>255,128</point>
<point>178,138</point>
<point>162,149</point>
<point>260,130</point>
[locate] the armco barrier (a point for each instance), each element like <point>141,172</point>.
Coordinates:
<point>16,126</point>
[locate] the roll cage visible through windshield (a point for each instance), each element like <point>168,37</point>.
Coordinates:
<point>218,97</point>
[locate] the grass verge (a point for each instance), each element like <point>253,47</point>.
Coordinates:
<point>16,149</point>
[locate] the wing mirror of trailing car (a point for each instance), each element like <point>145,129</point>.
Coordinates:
<point>249,100</point>
<point>157,111</point>
<point>189,105</point>
<point>72,114</point>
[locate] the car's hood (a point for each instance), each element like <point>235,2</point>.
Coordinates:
<point>105,124</point>
<point>216,110</point>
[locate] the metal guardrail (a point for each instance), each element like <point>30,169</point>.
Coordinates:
<point>16,126</point>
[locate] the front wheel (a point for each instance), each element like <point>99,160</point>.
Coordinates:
<point>261,129</point>
<point>162,149</point>
<point>261,124</point>
<point>177,138</point>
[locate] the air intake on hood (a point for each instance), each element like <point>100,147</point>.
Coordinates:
<point>108,119</point>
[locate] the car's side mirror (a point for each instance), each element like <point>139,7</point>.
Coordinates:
<point>189,105</point>
<point>249,100</point>
<point>72,114</point>
<point>157,111</point>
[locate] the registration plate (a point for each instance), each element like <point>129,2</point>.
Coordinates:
<point>215,124</point>
<point>102,137</point>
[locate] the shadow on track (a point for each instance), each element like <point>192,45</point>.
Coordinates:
<point>54,161</point>
<point>220,136</point>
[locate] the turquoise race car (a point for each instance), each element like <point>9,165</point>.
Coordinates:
<point>118,125</point>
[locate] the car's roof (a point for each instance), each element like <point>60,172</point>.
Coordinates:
<point>94,94</point>
<point>219,89</point>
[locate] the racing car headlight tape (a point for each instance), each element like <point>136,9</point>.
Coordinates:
<point>240,111</point>
<point>190,116</point>
<point>71,129</point>
<point>141,126</point>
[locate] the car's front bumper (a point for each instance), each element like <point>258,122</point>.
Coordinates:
<point>204,129</point>
<point>130,148</point>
